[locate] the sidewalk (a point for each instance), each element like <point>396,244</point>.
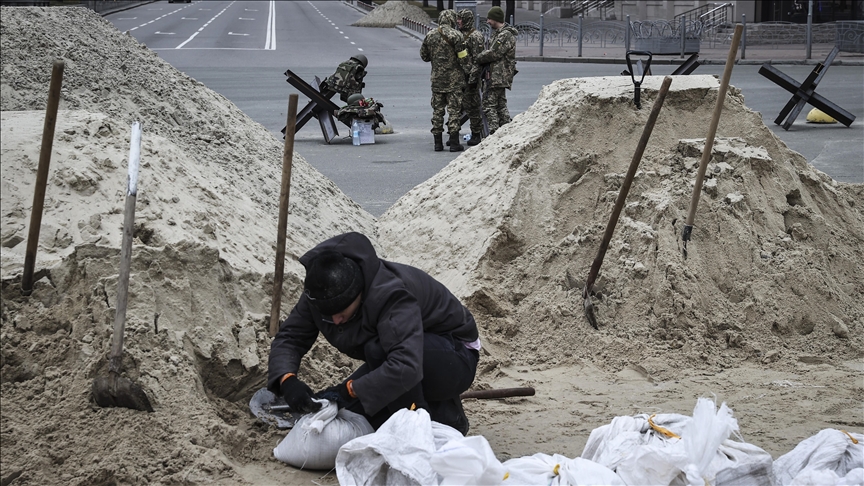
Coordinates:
<point>708,54</point>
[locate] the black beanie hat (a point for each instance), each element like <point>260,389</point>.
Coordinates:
<point>332,282</point>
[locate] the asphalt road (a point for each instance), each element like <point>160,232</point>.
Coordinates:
<point>240,49</point>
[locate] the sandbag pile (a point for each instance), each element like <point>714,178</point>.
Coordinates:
<point>661,449</point>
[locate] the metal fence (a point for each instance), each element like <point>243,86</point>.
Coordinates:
<point>416,26</point>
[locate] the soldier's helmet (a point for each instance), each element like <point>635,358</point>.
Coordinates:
<point>355,99</point>
<point>467,18</point>
<point>448,18</point>
<point>361,59</point>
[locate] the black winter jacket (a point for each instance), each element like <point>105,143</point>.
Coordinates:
<point>399,304</point>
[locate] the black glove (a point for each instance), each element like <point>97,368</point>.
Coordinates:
<point>298,396</point>
<point>336,393</point>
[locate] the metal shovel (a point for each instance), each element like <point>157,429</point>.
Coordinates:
<point>619,203</point>
<point>114,390</point>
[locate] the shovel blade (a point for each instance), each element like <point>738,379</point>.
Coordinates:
<point>116,391</point>
<point>589,312</point>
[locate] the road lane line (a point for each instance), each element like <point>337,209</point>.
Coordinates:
<point>205,25</point>
<point>270,43</point>
<point>235,33</point>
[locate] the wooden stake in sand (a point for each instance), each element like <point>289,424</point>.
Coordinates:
<point>42,176</point>
<point>709,140</point>
<point>287,157</point>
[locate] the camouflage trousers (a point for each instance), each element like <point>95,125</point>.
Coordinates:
<point>495,107</point>
<point>452,103</point>
<point>471,106</point>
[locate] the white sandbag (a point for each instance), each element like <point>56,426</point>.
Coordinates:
<point>827,477</point>
<point>467,461</point>
<point>825,458</point>
<point>679,449</point>
<point>558,470</point>
<point>537,469</point>
<point>582,472</point>
<point>315,439</point>
<point>399,453</point>
<point>610,444</point>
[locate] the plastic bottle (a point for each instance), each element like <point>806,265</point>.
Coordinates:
<point>355,132</point>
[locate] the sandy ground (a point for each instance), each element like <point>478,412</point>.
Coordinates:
<point>765,313</point>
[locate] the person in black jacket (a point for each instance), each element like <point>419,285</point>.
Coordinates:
<point>419,344</point>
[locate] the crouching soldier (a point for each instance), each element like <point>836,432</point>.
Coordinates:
<point>348,78</point>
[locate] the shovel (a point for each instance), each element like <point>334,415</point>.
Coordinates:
<point>619,203</point>
<point>282,225</point>
<point>709,140</point>
<point>114,390</point>
<point>42,175</point>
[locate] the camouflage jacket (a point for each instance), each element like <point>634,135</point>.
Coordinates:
<point>442,48</point>
<point>475,42</point>
<point>347,80</point>
<point>501,57</point>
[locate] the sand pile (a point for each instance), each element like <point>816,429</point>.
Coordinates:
<point>202,262</point>
<point>390,15</point>
<point>774,271</point>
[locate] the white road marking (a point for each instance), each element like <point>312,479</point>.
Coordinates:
<point>359,49</point>
<point>352,44</point>
<point>127,18</point>
<point>163,33</point>
<point>242,18</point>
<point>343,33</point>
<point>235,33</point>
<point>188,18</point>
<point>251,9</point>
<point>346,36</point>
<point>270,42</point>
<point>205,25</point>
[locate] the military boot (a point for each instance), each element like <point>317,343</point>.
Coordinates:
<point>455,146</point>
<point>439,143</point>
<point>475,139</point>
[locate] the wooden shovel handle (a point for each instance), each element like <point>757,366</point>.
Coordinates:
<point>625,186</point>
<point>42,176</point>
<point>499,393</point>
<point>287,158</point>
<point>712,128</point>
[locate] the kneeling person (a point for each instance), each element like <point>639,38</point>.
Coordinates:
<point>419,344</point>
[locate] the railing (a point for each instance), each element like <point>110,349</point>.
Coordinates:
<point>584,6</point>
<point>694,13</point>
<point>416,26</point>
<point>368,6</point>
<point>666,37</point>
<point>716,18</point>
<point>850,35</point>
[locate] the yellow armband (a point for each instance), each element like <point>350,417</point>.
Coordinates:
<point>462,53</point>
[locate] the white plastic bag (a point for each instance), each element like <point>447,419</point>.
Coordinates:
<point>558,470</point>
<point>467,461</point>
<point>316,438</point>
<point>830,457</point>
<point>398,453</point>
<point>679,449</point>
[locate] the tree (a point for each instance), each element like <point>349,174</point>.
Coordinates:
<point>426,3</point>
<point>440,5</point>
<point>450,4</point>
<point>496,3</point>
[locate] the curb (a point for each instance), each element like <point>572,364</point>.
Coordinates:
<point>110,11</point>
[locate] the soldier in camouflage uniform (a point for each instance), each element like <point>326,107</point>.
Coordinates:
<point>445,48</point>
<point>348,78</point>
<point>501,61</point>
<point>474,41</point>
